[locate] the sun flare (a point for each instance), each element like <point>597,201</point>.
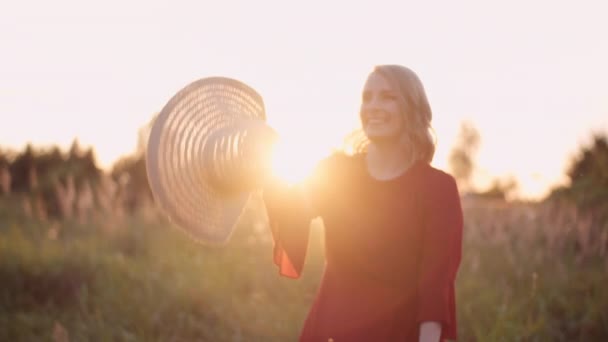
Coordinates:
<point>293,161</point>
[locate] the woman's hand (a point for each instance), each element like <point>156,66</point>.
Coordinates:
<point>430,332</point>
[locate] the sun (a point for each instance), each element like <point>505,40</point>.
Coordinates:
<point>294,161</point>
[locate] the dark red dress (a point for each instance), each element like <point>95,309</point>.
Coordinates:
<point>392,250</point>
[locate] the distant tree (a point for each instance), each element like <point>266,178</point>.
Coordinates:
<point>588,174</point>
<point>462,156</point>
<point>130,171</point>
<point>6,156</point>
<point>21,169</point>
<point>39,172</point>
<point>49,162</point>
<point>89,172</point>
<point>5,175</point>
<point>500,189</point>
<point>81,164</point>
<point>75,149</point>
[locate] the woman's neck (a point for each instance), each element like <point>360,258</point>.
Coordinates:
<point>387,160</point>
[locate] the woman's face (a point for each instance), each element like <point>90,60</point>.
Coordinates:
<point>381,116</point>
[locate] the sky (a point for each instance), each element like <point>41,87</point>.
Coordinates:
<point>530,75</point>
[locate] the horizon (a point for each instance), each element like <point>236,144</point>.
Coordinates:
<point>476,188</point>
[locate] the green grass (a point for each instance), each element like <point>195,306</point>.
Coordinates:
<point>145,283</point>
<point>148,282</point>
<point>516,298</point>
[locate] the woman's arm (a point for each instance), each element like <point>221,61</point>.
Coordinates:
<point>441,253</point>
<point>290,210</point>
<point>430,332</point>
<point>289,218</point>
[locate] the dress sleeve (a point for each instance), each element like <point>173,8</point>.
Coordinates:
<point>290,210</point>
<point>441,254</point>
<point>289,219</point>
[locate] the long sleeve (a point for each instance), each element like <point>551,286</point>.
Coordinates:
<point>290,210</point>
<point>441,253</point>
<point>289,218</point>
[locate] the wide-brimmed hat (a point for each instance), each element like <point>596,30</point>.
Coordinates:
<point>205,155</point>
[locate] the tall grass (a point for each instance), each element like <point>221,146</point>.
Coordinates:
<point>530,272</point>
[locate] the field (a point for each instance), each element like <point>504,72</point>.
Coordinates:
<point>530,272</point>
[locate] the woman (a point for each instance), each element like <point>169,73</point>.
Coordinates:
<point>393,225</point>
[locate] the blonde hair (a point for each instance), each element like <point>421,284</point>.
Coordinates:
<point>418,137</point>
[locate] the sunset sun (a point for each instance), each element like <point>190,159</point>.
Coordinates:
<point>293,160</point>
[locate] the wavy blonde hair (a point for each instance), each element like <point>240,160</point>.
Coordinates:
<point>418,136</point>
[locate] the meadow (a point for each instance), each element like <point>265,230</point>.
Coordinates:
<point>530,272</point>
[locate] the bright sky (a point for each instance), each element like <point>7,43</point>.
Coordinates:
<point>531,75</point>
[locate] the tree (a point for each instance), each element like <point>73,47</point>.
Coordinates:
<point>588,175</point>
<point>501,189</point>
<point>462,156</point>
<point>130,171</point>
<point>21,168</point>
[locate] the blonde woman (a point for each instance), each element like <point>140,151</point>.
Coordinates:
<point>393,225</point>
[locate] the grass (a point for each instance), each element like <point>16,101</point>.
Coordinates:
<point>140,281</point>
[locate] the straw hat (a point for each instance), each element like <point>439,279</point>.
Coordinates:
<point>207,152</point>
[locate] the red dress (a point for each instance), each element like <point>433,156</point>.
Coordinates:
<point>392,250</point>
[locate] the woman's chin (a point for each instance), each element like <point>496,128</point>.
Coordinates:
<point>380,136</point>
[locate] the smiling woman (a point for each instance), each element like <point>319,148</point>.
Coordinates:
<point>393,225</point>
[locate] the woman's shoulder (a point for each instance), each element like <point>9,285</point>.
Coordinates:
<point>338,160</point>
<point>336,165</point>
<point>438,189</point>
<point>435,178</point>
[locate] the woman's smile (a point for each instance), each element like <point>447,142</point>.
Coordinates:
<point>381,116</point>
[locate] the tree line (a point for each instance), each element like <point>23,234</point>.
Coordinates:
<point>52,184</point>
<point>587,173</point>
<point>58,184</point>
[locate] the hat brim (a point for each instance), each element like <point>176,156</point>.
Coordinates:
<point>174,156</point>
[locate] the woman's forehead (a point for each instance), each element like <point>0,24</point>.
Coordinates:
<point>377,82</point>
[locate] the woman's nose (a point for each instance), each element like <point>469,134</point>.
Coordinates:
<point>372,104</point>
